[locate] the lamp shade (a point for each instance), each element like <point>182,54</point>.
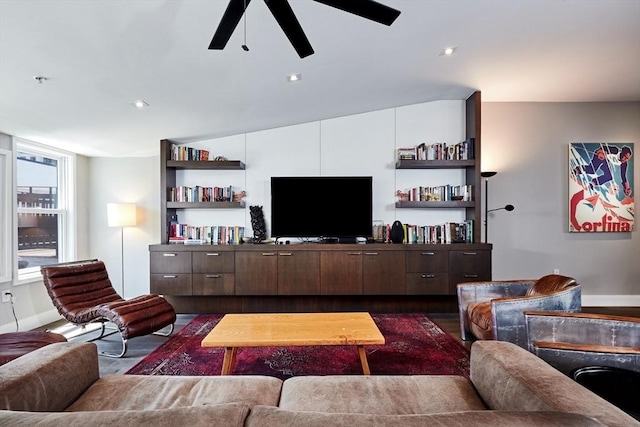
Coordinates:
<point>121,214</point>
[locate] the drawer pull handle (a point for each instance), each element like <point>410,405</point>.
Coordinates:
<point>213,254</point>
<point>169,276</point>
<point>470,276</point>
<point>371,253</point>
<point>166,254</point>
<point>428,276</point>
<point>428,253</point>
<point>470,253</point>
<point>355,253</point>
<point>213,276</point>
<point>268,253</point>
<point>285,254</point>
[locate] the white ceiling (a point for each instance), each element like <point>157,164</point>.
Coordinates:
<point>101,55</point>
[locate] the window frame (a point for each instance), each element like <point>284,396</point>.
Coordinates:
<point>6,223</point>
<point>65,209</point>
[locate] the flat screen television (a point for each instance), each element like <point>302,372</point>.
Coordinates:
<point>326,207</point>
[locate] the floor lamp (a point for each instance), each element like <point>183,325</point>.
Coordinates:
<point>121,215</point>
<point>509,208</point>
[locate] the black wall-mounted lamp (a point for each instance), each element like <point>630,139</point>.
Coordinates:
<point>508,208</point>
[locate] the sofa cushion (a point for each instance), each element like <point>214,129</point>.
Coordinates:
<point>265,416</point>
<point>380,394</point>
<point>551,283</point>
<point>138,392</point>
<point>226,415</point>
<point>508,377</point>
<point>49,378</point>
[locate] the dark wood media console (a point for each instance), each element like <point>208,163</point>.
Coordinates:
<point>315,277</point>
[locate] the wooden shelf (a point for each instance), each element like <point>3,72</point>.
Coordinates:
<point>205,205</point>
<point>434,164</point>
<point>206,164</point>
<point>435,204</point>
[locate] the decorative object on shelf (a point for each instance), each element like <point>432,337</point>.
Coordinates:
<point>601,187</point>
<point>220,159</point>
<point>257,223</point>
<point>239,197</point>
<point>121,215</point>
<point>402,196</point>
<point>397,232</point>
<point>508,208</point>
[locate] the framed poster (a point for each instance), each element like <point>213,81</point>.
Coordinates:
<point>601,196</point>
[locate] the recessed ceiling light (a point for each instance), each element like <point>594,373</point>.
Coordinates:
<point>140,104</point>
<point>448,51</point>
<point>294,77</point>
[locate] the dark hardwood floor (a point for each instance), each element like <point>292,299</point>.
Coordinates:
<point>139,347</point>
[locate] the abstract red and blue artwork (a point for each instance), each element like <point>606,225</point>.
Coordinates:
<point>601,190</point>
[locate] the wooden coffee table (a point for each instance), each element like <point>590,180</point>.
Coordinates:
<point>292,329</point>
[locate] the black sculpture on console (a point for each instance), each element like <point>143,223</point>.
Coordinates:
<point>258,225</point>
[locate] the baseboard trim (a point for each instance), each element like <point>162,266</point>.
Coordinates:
<point>611,300</point>
<point>31,322</point>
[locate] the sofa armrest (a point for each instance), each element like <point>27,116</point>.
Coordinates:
<point>507,314</point>
<point>510,378</point>
<point>49,378</point>
<point>472,292</point>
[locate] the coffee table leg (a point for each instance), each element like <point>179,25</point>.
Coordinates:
<point>229,360</point>
<point>363,360</point>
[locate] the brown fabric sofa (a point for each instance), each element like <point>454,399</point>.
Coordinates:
<point>60,385</point>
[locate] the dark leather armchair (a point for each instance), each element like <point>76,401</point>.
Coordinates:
<point>494,310</point>
<point>568,341</point>
<point>82,293</point>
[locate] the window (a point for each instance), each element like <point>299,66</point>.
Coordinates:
<point>43,193</point>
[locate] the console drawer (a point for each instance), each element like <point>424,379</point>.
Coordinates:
<point>213,284</point>
<point>171,284</point>
<point>427,284</point>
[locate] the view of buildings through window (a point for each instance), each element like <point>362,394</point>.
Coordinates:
<point>38,215</point>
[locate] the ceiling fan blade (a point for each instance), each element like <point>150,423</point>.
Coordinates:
<point>369,9</point>
<point>281,10</point>
<point>228,23</point>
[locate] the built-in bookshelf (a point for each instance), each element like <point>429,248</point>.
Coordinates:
<point>177,197</point>
<point>463,155</point>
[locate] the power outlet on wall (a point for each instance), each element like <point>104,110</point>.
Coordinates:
<point>556,271</point>
<point>6,296</point>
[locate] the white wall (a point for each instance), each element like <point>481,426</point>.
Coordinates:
<point>527,143</point>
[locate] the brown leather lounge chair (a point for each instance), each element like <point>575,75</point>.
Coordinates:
<point>82,293</point>
<point>494,310</point>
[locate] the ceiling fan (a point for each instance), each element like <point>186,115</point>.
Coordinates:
<point>281,10</point>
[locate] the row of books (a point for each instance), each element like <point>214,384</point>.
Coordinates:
<point>463,150</point>
<point>449,232</point>
<point>442,193</point>
<point>182,152</point>
<point>207,235</point>
<point>201,194</point>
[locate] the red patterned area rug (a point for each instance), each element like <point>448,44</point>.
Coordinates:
<point>414,345</point>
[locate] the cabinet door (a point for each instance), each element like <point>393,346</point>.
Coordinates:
<point>384,273</point>
<point>341,272</point>
<point>298,273</point>
<point>468,266</point>
<point>427,261</point>
<point>256,273</point>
